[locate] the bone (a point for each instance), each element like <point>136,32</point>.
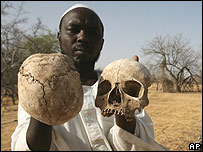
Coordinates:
<point>125,83</point>
<point>120,112</point>
<point>104,112</point>
<point>49,88</point>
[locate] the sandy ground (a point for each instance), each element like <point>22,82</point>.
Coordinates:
<point>177,119</point>
<point>8,124</point>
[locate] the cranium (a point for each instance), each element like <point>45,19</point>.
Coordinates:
<point>49,88</point>
<point>123,88</point>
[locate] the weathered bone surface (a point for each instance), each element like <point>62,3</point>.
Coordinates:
<point>123,88</point>
<point>49,88</point>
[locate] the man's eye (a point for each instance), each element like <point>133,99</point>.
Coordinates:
<point>95,33</point>
<point>73,30</point>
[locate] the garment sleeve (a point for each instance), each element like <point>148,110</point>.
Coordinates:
<point>142,140</point>
<point>18,138</point>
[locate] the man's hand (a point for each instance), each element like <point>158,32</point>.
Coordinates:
<point>136,58</point>
<point>39,135</point>
<point>122,123</point>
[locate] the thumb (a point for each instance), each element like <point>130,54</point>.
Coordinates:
<point>136,58</point>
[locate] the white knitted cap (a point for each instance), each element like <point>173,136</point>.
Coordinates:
<point>74,7</point>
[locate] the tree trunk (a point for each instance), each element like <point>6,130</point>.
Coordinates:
<point>178,88</point>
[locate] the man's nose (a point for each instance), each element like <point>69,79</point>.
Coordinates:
<point>82,36</point>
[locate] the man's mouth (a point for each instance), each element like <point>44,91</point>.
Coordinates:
<point>81,48</point>
<point>79,52</point>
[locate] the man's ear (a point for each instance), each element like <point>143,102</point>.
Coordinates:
<point>59,39</point>
<point>59,36</point>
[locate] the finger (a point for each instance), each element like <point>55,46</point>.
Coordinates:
<point>136,58</point>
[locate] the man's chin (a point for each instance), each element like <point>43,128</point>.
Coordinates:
<point>82,61</point>
<point>79,61</point>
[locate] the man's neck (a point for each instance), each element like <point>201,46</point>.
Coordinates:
<point>88,75</point>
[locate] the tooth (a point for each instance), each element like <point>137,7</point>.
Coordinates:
<point>104,112</point>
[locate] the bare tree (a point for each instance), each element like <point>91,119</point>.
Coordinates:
<point>11,35</point>
<point>18,43</point>
<point>175,57</point>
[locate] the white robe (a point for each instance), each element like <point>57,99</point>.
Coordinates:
<point>90,131</point>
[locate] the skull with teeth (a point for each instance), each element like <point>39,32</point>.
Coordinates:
<point>123,88</point>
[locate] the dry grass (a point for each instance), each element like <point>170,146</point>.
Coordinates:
<point>177,119</point>
<point>8,123</point>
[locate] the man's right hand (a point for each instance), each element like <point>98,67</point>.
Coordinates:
<point>39,135</point>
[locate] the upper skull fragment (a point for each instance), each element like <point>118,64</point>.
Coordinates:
<point>123,88</point>
<point>49,88</point>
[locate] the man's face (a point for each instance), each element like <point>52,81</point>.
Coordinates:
<point>81,35</point>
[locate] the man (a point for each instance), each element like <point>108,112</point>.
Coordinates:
<point>81,36</point>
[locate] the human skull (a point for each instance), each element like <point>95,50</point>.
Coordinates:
<point>49,88</point>
<point>123,88</point>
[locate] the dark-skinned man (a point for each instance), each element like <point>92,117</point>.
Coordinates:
<point>81,37</point>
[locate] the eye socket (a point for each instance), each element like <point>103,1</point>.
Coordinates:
<point>132,88</point>
<point>104,87</point>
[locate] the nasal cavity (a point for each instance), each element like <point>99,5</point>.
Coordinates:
<point>115,97</point>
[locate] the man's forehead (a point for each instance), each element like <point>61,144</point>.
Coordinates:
<point>82,17</point>
<point>74,7</point>
<point>81,13</point>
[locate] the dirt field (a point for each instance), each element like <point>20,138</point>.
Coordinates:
<point>177,119</point>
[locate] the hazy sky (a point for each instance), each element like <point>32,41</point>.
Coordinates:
<point>128,24</point>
